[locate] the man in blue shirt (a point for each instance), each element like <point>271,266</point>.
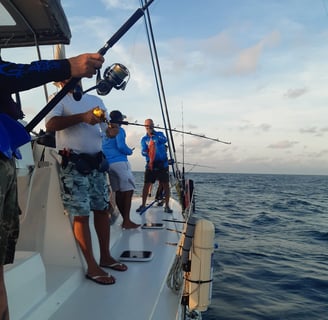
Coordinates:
<point>153,148</point>
<point>13,79</point>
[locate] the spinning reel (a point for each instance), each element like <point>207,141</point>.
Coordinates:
<point>115,76</point>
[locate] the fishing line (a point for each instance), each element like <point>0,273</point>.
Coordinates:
<point>173,230</point>
<point>197,165</point>
<point>202,136</point>
<point>177,221</point>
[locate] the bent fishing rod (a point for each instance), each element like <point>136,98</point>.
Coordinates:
<point>203,136</point>
<point>74,81</point>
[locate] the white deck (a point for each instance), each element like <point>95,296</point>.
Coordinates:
<point>139,291</point>
<point>47,279</point>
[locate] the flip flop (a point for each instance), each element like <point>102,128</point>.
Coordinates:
<point>136,226</point>
<point>115,266</point>
<point>96,279</point>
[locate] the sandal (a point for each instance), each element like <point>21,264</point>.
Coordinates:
<point>141,209</point>
<point>117,266</point>
<point>97,279</point>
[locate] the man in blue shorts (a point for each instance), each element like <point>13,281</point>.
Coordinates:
<point>153,148</point>
<point>79,135</point>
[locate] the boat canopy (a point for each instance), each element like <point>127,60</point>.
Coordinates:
<point>32,23</point>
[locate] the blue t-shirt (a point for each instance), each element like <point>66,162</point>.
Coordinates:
<point>116,149</point>
<point>159,140</point>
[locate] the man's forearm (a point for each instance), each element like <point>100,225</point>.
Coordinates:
<point>58,123</point>
<point>19,77</point>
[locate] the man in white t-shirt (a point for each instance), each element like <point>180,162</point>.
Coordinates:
<point>79,135</point>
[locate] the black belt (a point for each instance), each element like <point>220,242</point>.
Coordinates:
<point>84,162</point>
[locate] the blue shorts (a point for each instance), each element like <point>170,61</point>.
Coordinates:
<point>83,193</point>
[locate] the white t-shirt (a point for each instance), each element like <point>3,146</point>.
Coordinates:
<point>82,137</point>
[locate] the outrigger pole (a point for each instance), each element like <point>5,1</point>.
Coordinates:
<point>173,130</point>
<point>161,92</point>
<point>74,81</point>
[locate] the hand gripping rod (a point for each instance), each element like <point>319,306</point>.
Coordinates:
<point>74,81</point>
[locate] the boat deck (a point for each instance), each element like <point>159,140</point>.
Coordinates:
<point>137,292</point>
<point>59,292</point>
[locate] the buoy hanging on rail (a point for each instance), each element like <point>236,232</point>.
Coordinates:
<point>200,278</point>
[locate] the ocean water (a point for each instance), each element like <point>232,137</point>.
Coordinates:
<point>272,232</point>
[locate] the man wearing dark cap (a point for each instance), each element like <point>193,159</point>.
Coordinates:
<point>120,175</point>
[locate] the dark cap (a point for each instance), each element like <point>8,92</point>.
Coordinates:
<point>116,115</point>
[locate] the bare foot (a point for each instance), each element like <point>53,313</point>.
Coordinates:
<point>130,225</point>
<point>96,271</point>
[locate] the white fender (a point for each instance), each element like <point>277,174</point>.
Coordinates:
<point>200,277</point>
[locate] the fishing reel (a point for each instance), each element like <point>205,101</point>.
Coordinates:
<point>115,76</point>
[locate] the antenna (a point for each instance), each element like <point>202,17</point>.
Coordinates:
<point>183,145</point>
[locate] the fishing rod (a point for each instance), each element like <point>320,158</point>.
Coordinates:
<point>203,136</point>
<point>195,165</point>
<point>160,91</point>
<point>147,207</point>
<point>74,81</point>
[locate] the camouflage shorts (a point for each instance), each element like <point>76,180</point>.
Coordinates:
<point>9,210</point>
<point>83,193</point>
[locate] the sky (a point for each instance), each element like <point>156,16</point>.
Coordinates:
<point>250,72</point>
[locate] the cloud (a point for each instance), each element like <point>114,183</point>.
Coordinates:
<point>308,130</point>
<point>272,39</point>
<point>219,44</point>
<point>198,145</point>
<point>213,54</point>
<point>295,93</point>
<point>285,144</point>
<point>192,126</point>
<point>247,60</point>
<point>314,130</point>
<point>119,4</point>
<point>320,154</point>
<point>265,127</point>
